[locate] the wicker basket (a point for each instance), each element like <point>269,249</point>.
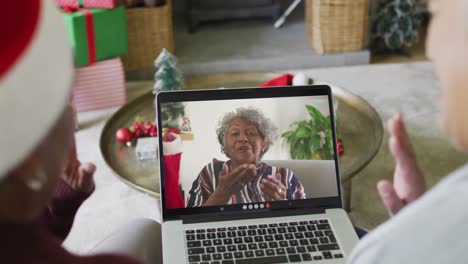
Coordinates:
<point>149,31</point>
<point>336,25</point>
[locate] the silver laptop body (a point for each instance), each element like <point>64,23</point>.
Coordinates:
<point>312,229</point>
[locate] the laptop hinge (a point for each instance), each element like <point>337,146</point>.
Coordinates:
<point>242,216</point>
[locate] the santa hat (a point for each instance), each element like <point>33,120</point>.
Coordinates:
<point>36,74</point>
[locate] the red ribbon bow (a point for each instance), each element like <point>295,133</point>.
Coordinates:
<point>89,21</point>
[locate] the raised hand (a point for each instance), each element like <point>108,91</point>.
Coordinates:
<point>272,188</point>
<point>408,181</point>
<point>79,176</point>
<point>230,183</point>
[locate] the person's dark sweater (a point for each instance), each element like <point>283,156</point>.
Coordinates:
<point>40,242</point>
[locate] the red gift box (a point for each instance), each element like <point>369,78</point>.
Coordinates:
<point>98,86</point>
<point>89,3</point>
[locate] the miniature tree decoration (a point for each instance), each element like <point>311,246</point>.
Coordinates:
<point>169,78</point>
<point>396,25</point>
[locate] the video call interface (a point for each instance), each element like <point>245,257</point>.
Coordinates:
<point>252,152</point>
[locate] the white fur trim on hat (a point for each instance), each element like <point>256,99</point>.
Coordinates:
<point>34,93</point>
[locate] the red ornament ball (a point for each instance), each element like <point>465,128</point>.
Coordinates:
<point>123,135</point>
<point>340,147</point>
<point>169,137</point>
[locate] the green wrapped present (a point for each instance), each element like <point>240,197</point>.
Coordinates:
<point>96,34</point>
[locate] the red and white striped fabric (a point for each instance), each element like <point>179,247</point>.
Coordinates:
<point>98,86</point>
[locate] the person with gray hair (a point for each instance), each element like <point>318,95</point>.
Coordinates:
<point>244,135</point>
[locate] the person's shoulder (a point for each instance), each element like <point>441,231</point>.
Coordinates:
<point>426,226</point>
<point>458,177</point>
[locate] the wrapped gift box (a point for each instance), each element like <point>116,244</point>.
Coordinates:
<point>101,85</point>
<point>96,34</point>
<point>89,3</point>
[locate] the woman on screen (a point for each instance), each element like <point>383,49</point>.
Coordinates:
<point>245,135</point>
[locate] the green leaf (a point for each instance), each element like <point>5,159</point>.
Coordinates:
<point>287,134</point>
<point>301,132</point>
<point>295,142</point>
<point>139,118</point>
<point>314,143</point>
<point>314,113</point>
<point>296,152</point>
<point>327,149</point>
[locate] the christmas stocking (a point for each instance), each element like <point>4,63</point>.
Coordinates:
<point>172,155</point>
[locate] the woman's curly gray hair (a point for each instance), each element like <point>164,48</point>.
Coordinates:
<point>268,131</point>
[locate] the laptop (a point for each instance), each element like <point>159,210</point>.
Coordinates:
<point>259,178</point>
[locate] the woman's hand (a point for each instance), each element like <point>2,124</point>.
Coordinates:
<point>230,183</point>
<point>236,180</point>
<point>408,181</point>
<point>273,189</point>
<point>79,176</point>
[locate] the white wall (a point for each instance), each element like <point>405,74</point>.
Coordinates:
<point>204,117</point>
<point>318,177</point>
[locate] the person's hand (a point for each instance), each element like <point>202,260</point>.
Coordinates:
<point>235,180</point>
<point>408,181</point>
<point>230,183</point>
<point>272,188</point>
<point>79,176</point>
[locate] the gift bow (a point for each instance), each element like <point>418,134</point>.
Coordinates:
<point>90,37</point>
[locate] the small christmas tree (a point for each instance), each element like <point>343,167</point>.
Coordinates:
<point>169,78</point>
<point>396,25</point>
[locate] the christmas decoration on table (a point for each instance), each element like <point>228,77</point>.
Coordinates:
<point>96,34</point>
<point>98,86</point>
<point>89,3</point>
<point>124,136</point>
<point>143,134</point>
<point>169,78</point>
<point>147,148</point>
<point>395,26</point>
<point>140,128</point>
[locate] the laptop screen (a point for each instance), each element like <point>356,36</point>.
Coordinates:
<point>248,150</point>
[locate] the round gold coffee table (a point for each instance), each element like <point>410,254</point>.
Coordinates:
<point>358,123</point>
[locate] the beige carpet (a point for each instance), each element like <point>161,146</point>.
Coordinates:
<point>407,88</point>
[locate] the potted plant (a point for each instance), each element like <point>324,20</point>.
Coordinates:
<point>395,26</point>
<point>312,138</point>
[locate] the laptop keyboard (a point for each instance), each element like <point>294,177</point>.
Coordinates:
<point>266,243</point>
